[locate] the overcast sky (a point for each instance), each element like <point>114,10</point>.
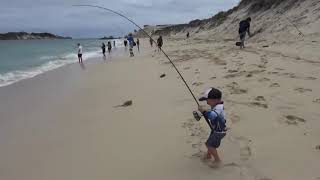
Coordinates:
<point>60,17</point>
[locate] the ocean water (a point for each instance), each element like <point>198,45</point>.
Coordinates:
<point>27,58</point>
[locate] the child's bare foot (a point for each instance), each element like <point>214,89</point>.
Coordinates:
<point>205,157</point>
<point>216,164</point>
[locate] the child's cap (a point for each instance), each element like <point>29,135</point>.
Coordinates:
<point>211,93</point>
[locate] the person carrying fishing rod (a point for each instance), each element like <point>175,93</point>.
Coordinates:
<point>216,117</point>
<point>244,28</point>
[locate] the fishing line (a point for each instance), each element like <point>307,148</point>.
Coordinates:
<point>287,18</point>
<point>165,54</point>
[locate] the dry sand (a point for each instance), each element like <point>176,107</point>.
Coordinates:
<point>64,124</point>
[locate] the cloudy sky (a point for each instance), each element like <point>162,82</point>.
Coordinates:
<point>60,17</point>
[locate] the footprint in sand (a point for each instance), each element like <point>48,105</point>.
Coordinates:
<point>264,80</point>
<point>294,120</point>
<point>232,71</point>
<point>213,78</point>
<point>186,68</point>
<point>274,85</point>
<point>310,78</point>
<point>258,104</point>
<point>234,118</point>
<point>317,100</point>
<point>274,72</point>
<point>218,61</point>
<point>234,88</point>
<point>249,75</point>
<point>303,90</point>
<point>197,83</point>
<point>260,98</point>
<point>245,150</point>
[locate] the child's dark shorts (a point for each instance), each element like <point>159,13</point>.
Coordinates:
<point>214,139</point>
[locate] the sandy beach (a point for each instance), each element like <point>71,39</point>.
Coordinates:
<point>68,123</point>
<point>64,124</point>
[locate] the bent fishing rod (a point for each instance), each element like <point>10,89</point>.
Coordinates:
<point>165,54</point>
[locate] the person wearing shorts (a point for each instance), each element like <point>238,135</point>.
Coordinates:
<point>216,117</point>
<point>131,44</point>
<point>79,53</point>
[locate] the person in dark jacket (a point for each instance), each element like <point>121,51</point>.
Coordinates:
<point>244,28</point>
<point>159,43</point>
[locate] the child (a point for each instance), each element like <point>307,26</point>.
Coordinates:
<point>217,120</point>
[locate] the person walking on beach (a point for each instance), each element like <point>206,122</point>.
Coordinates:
<point>138,44</point>
<point>109,47</point>
<point>80,53</point>
<point>131,44</point>
<point>103,47</point>
<point>125,42</point>
<point>159,43</point>
<point>216,117</point>
<point>151,42</point>
<point>188,35</point>
<point>244,28</point>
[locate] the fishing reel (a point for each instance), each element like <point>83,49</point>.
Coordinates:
<point>197,116</point>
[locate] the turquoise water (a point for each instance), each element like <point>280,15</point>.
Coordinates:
<point>27,58</point>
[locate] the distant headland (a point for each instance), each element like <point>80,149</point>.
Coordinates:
<point>29,36</point>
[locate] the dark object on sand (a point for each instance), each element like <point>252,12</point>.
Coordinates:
<point>163,75</point>
<point>318,147</point>
<point>265,46</point>
<point>125,104</point>
<point>238,43</point>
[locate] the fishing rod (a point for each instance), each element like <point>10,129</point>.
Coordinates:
<point>165,54</point>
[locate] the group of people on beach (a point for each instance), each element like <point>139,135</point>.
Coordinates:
<point>129,40</point>
<point>103,47</point>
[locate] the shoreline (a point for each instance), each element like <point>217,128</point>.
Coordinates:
<point>15,76</point>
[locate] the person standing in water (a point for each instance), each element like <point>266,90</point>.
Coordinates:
<point>80,53</point>
<point>131,44</point>
<point>114,44</point>
<point>151,42</point>
<point>125,42</point>
<point>244,28</point>
<point>159,43</point>
<point>138,44</point>
<point>109,47</point>
<point>103,47</point>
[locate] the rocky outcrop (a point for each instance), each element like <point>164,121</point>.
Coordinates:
<point>29,36</point>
